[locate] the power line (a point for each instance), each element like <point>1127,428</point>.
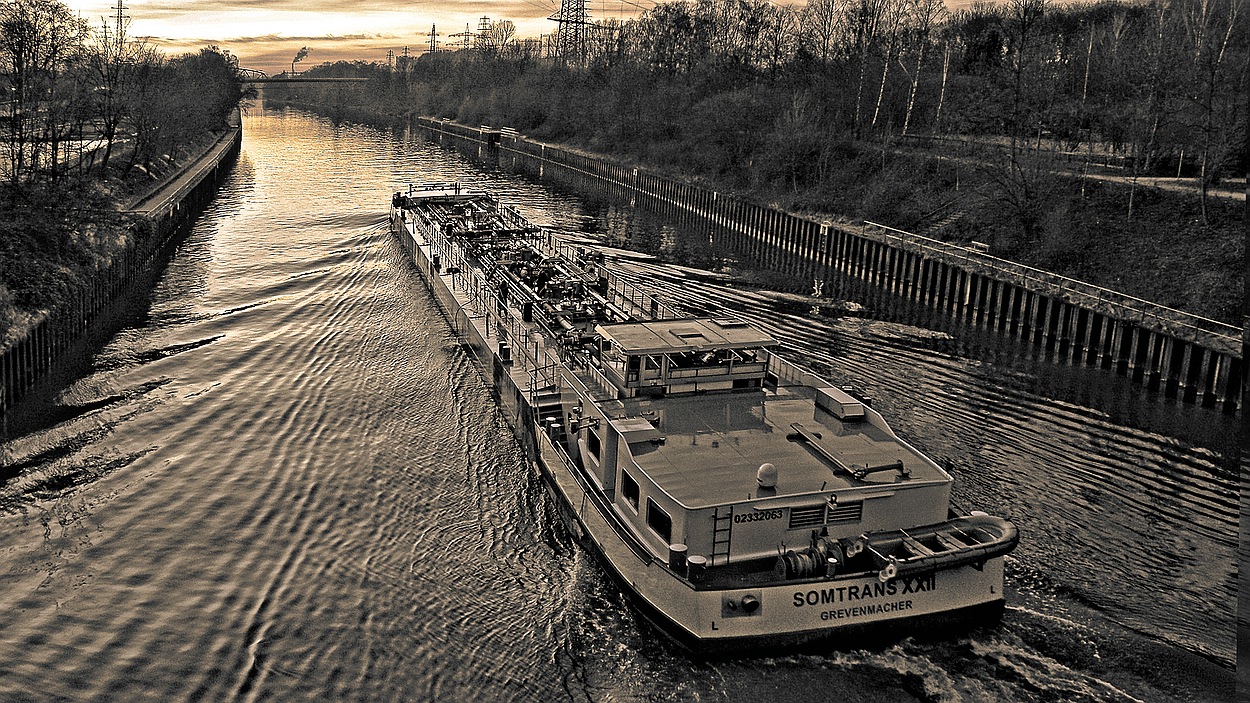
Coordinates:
<point>544,7</point>
<point>640,7</point>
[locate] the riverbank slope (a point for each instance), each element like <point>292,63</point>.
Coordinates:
<point>1161,251</point>
<point>56,239</point>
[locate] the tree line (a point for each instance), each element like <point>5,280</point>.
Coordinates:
<point>767,94</point>
<point>1028,125</point>
<point>75,98</point>
<point>86,114</point>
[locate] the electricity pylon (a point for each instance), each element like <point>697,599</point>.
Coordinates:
<point>572,31</point>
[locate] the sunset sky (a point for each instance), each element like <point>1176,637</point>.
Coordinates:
<point>267,34</point>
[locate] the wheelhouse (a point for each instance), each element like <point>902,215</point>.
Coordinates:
<point>709,448</point>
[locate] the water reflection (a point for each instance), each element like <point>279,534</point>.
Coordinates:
<point>286,480</point>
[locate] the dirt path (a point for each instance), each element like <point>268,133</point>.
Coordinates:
<point>1230,188</point>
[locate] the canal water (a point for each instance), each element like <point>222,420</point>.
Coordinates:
<point>284,480</point>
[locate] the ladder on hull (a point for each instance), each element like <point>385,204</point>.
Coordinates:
<point>722,526</point>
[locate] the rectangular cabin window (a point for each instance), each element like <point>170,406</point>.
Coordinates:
<point>659,522</point>
<point>593,445</point>
<point>629,489</point>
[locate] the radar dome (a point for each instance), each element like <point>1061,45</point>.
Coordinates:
<point>767,476</point>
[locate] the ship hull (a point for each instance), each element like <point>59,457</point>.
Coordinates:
<point>794,614</point>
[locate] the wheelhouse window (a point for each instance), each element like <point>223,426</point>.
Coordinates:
<point>632,366</point>
<point>659,522</point>
<point>593,445</point>
<point>629,489</point>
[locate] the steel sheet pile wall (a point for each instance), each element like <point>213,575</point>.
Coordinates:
<point>26,361</point>
<point>1171,351</point>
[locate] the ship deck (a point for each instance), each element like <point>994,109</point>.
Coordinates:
<point>715,443</point>
<point>702,450</point>
<point>537,350</point>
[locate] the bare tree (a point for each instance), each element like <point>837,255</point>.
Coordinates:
<point>1023,20</point>
<point>110,60</point>
<point>1163,61</point>
<point>823,27</point>
<point>893,18</point>
<point>1020,184</point>
<point>745,28</point>
<point>607,43</point>
<point>142,98</point>
<point>501,33</point>
<point>864,25</point>
<point>946,65</point>
<point>924,17</point>
<point>1212,25</point>
<point>38,42</point>
<point>780,36</point>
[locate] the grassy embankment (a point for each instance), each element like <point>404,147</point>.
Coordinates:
<point>62,218</point>
<point>805,107</point>
<point>56,237</point>
<point>1163,252</point>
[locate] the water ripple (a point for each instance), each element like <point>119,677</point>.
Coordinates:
<point>290,482</point>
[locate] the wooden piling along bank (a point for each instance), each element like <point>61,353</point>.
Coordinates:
<point>26,361</point>
<point>1170,351</point>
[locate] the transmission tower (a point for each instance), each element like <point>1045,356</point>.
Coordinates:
<point>119,34</point>
<point>464,36</point>
<point>482,42</point>
<point>572,30</point>
<point>433,38</point>
<point>390,60</point>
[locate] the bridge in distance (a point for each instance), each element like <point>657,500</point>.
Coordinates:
<point>252,76</point>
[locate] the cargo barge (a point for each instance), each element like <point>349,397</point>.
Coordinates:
<point>744,503</point>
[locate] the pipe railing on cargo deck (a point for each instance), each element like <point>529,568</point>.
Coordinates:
<point>620,288</point>
<point>788,373</point>
<point>579,386</point>
<point>485,301</point>
<point>544,376</point>
<point>534,353</point>
<point>607,389</point>
<point>623,289</point>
